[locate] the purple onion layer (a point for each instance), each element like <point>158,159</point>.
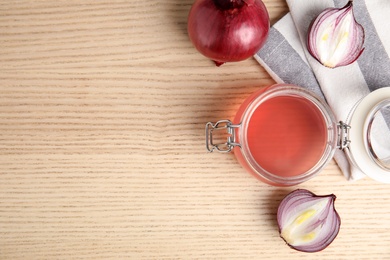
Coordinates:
<point>307,222</point>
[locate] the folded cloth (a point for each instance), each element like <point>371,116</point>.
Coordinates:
<point>287,60</point>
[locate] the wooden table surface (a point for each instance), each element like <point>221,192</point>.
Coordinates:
<point>102,113</point>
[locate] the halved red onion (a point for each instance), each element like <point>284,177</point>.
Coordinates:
<point>307,222</point>
<point>335,38</point>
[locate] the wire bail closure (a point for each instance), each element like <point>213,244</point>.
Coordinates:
<point>343,135</point>
<point>223,147</point>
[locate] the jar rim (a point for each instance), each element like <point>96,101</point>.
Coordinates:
<point>374,113</point>
<point>280,90</point>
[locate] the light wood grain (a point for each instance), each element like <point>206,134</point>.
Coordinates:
<point>102,113</point>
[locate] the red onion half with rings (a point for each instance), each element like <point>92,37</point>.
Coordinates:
<point>228,30</point>
<point>307,222</point>
<point>335,38</point>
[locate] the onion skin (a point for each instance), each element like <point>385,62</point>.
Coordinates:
<point>228,30</point>
<point>335,38</point>
<point>307,222</point>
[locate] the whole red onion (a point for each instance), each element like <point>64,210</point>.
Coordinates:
<point>228,30</point>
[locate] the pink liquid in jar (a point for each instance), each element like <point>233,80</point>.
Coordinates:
<point>287,135</point>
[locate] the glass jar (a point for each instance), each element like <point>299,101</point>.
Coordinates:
<point>285,135</point>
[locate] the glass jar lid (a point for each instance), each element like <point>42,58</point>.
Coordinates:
<point>369,135</point>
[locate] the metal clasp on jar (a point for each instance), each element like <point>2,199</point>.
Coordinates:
<point>343,135</point>
<point>228,128</point>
